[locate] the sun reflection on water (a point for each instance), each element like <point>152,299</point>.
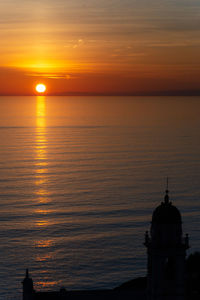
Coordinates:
<point>42,223</point>
<point>41,180</point>
<point>43,258</point>
<point>44,243</point>
<point>42,211</point>
<point>47,284</point>
<point>41,112</point>
<point>41,150</point>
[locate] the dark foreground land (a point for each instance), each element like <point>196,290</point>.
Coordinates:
<point>131,290</point>
<point>134,289</point>
<point>98,295</point>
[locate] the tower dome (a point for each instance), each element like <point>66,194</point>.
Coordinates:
<point>166,213</point>
<point>166,226</point>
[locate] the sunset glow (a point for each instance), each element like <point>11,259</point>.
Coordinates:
<point>85,49</point>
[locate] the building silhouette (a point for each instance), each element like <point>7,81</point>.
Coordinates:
<point>166,255</point>
<point>28,291</point>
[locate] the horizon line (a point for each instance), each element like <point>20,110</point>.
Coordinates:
<point>138,94</point>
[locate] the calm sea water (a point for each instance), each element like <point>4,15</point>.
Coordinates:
<point>79,179</point>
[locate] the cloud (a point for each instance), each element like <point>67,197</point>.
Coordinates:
<point>60,75</point>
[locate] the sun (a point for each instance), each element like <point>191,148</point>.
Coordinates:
<point>40,88</point>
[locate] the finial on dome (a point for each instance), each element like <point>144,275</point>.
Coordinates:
<point>167,191</point>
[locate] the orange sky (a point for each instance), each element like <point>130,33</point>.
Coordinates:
<point>100,47</point>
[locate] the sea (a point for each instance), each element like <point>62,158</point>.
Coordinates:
<point>79,180</point>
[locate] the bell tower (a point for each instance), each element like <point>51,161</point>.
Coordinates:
<point>28,291</point>
<point>166,251</point>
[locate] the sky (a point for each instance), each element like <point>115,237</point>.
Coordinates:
<point>100,47</point>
